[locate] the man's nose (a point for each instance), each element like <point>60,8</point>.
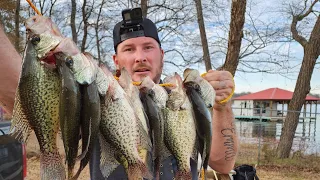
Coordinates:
<point>140,57</point>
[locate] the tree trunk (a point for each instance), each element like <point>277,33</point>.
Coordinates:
<point>97,31</point>
<point>17,26</point>
<point>204,42</point>
<point>311,54</point>
<point>73,20</point>
<point>85,26</point>
<point>238,10</point>
<point>144,7</point>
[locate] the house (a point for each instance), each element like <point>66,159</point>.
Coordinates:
<point>265,103</point>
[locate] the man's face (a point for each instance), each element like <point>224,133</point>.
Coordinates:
<point>141,56</point>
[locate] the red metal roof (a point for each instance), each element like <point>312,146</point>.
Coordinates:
<point>272,94</point>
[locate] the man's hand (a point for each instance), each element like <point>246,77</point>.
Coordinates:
<point>222,82</point>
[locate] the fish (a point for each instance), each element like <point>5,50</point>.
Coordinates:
<point>207,92</point>
<point>145,145</point>
<point>83,69</point>
<point>90,119</point>
<point>201,95</point>
<point>119,127</point>
<point>180,130</point>
<point>154,98</point>
<point>37,95</point>
<point>70,104</point>
<point>42,27</point>
<point>39,90</point>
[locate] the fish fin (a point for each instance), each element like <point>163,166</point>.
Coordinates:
<point>51,166</point>
<point>108,163</point>
<point>112,91</point>
<point>183,175</point>
<point>83,154</point>
<point>20,128</point>
<point>125,80</point>
<point>138,170</point>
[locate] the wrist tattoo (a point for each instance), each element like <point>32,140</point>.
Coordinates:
<point>228,134</point>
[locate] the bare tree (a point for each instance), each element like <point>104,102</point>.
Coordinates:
<point>144,7</point>
<point>85,17</point>
<point>302,88</point>
<point>204,42</point>
<point>97,30</point>
<point>17,26</point>
<point>73,21</point>
<point>238,10</point>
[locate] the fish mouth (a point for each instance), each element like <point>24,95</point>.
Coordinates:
<point>49,61</point>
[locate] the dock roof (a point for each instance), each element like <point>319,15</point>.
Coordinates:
<point>272,94</point>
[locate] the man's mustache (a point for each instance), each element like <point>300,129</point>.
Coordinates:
<point>137,68</point>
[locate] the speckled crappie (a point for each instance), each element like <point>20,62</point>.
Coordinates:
<point>180,131</point>
<point>39,90</point>
<point>83,69</point>
<point>70,104</point>
<point>89,119</point>
<point>120,128</point>
<point>144,141</point>
<point>201,95</point>
<point>39,93</point>
<point>154,98</point>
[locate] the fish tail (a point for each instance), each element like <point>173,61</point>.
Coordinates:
<point>183,175</point>
<point>76,176</point>
<point>51,166</point>
<point>157,168</point>
<point>138,170</point>
<point>205,156</point>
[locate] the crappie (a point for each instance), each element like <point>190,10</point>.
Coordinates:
<point>202,95</point>
<point>120,128</point>
<point>154,98</point>
<point>39,27</point>
<point>47,31</point>
<point>180,131</point>
<point>90,119</point>
<point>70,104</point>
<point>145,146</point>
<point>83,69</point>
<point>39,91</point>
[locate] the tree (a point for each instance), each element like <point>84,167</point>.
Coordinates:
<point>17,26</point>
<point>73,21</point>
<point>204,42</point>
<point>238,9</point>
<point>302,88</point>
<point>144,7</point>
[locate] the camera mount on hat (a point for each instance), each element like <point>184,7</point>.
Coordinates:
<point>131,27</point>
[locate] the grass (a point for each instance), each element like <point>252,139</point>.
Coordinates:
<point>298,166</point>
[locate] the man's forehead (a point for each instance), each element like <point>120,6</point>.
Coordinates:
<point>138,41</point>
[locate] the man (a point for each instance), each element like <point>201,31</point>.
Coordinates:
<point>139,51</point>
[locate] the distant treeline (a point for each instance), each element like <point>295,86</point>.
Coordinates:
<point>240,94</point>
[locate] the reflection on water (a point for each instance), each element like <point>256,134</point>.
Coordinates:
<point>307,136</point>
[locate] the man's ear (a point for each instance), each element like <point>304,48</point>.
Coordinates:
<point>115,61</point>
<point>162,55</point>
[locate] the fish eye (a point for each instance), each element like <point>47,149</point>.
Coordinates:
<point>35,40</point>
<point>197,87</point>
<point>69,62</point>
<point>151,93</point>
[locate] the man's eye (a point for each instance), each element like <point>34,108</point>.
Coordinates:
<point>128,49</point>
<point>149,47</point>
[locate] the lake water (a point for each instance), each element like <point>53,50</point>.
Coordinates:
<point>307,136</point>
